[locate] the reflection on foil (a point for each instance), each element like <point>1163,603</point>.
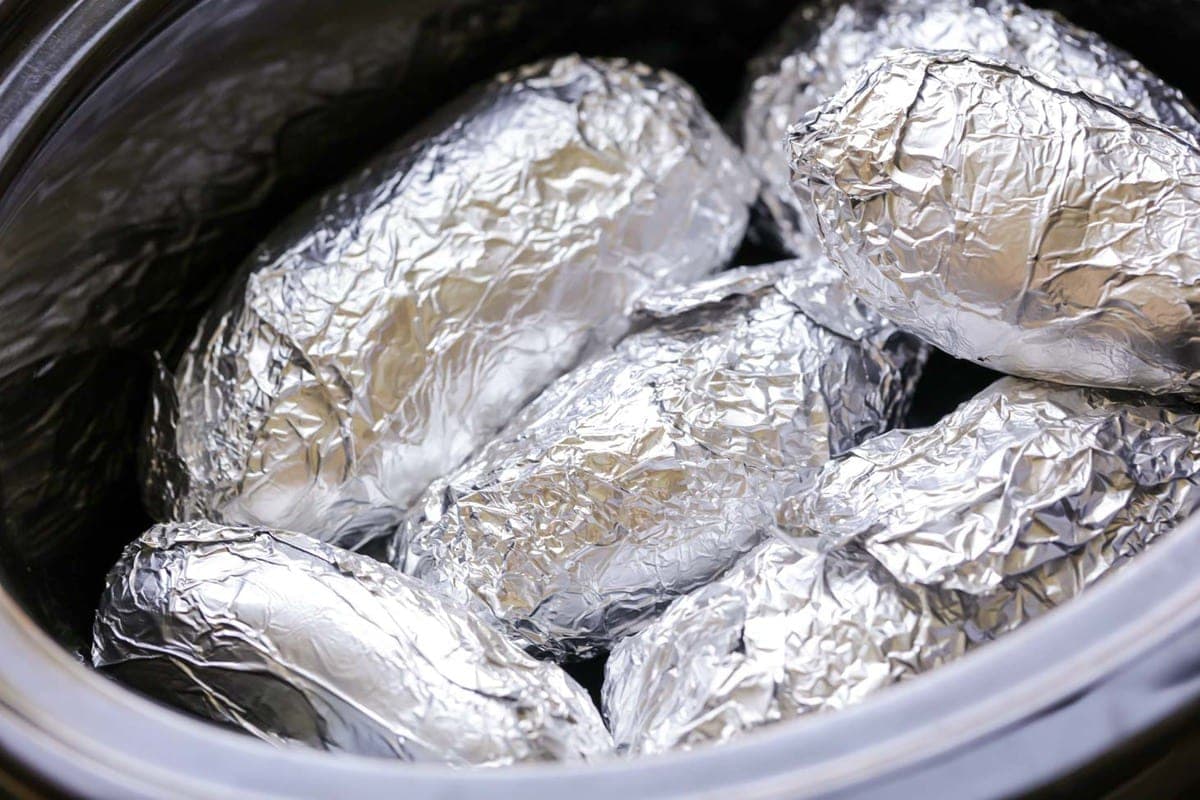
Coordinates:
<point>914,548</point>
<point>1011,220</point>
<point>824,43</point>
<point>291,640</point>
<point>394,325</point>
<point>648,471</point>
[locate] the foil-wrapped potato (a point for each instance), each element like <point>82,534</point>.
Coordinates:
<point>292,640</point>
<point>1012,221</point>
<point>649,471</point>
<point>386,331</point>
<point>912,549</point>
<point>788,631</point>
<point>1015,478</point>
<point>825,43</point>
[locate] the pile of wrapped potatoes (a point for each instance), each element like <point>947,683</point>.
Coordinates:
<point>502,401</point>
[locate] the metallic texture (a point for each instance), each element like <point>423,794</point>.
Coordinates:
<point>292,640</point>
<point>823,44</point>
<point>914,548</point>
<point>650,470</point>
<point>1014,478</point>
<point>394,325</point>
<point>1012,220</point>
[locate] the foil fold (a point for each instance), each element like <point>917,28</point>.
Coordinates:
<point>393,325</point>
<point>1011,220</point>
<point>648,471</point>
<point>913,549</point>
<point>823,44</point>
<point>294,641</point>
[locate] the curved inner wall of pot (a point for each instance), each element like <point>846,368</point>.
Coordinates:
<point>150,192</point>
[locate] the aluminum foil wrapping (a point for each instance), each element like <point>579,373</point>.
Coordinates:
<point>394,325</point>
<point>292,640</point>
<point>1012,221</point>
<point>648,471</point>
<point>823,44</point>
<point>914,548</point>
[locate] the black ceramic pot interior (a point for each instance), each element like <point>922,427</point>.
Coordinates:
<point>162,177</point>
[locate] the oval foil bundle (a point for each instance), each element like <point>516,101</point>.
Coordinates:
<point>1016,477</point>
<point>911,550</point>
<point>394,325</point>
<point>788,631</point>
<point>1012,221</point>
<point>650,470</point>
<point>823,45</point>
<point>292,640</point>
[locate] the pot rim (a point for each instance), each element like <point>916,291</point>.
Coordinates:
<point>1037,705</point>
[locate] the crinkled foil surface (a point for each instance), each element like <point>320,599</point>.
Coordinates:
<point>292,640</point>
<point>823,44</point>
<point>391,327</point>
<point>1012,221</point>
<point>648,471</point>
<point>914,548</point>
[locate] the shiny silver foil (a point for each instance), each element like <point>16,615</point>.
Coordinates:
<point>823,44</point>
<point>1014,478</point>
<point>394,325</point>
<point>1011,220</point>
<point>292,640</point>
<point>914,548</point>
<point>648,471</point>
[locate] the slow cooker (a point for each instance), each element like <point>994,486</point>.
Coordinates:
<point>145,145</point>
